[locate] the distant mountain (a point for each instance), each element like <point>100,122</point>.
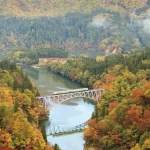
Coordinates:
<point>97,27</point>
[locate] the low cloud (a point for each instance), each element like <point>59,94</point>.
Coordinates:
<point>97,23</point>
<point>146,24</point>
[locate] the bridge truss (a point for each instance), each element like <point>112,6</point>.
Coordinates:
<point>60,98</point>
<point>57,130</point>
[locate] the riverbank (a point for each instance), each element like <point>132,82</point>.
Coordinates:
<point>65,115</point>
<point>55,60</point>
<point>43,62</point>
<point>77,70</point>
<point>19,111</point>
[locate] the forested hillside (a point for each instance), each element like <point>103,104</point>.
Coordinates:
<point>118,29</point>
<point>121,119</point>
<point>31,56</point>
<point>87,71</point>
<point>92,27</point>
<point>58,7</point>
<point>122,116</point>
<point>19,111</point>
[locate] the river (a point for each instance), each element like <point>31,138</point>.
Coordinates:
<point>66,115</point>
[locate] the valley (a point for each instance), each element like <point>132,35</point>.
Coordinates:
<point>70,44</point>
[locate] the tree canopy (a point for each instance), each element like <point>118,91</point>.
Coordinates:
<point>19,111</point>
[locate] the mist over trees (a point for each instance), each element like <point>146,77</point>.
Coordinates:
<point>99,32</point>
<point>41,28</point>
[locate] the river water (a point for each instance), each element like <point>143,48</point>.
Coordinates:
<point>65,115</point>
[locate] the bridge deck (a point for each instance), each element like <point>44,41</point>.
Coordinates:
<point>59,98</point>
<point>46,101</point>
<point>58,131</point>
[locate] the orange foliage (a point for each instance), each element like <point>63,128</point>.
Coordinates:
<point>133,114</point>
<point>92,131</point>
<point>116,138</point>
<point>5,148</point>
<point>138,94</point>
<point>5,139</point>
<point>105,81</point>
<point>49,147</point>
<point>143,123</point>
<point>112,105</point>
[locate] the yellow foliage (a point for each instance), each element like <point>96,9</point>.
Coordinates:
<point>38,8</point>
<point>84,55</point>
<point>24,133</point>
<point>146,144</point>
<point>5,139</point>
<point>17,111</point>
<point>100,58</point>
<point>5,95</point>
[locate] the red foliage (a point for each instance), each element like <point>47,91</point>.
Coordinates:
<point>143,123</point>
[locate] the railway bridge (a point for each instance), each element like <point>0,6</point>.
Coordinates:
<point>63,96</point>
<point>57,130</point>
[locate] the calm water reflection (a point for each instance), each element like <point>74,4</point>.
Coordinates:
<point>66,115</point>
